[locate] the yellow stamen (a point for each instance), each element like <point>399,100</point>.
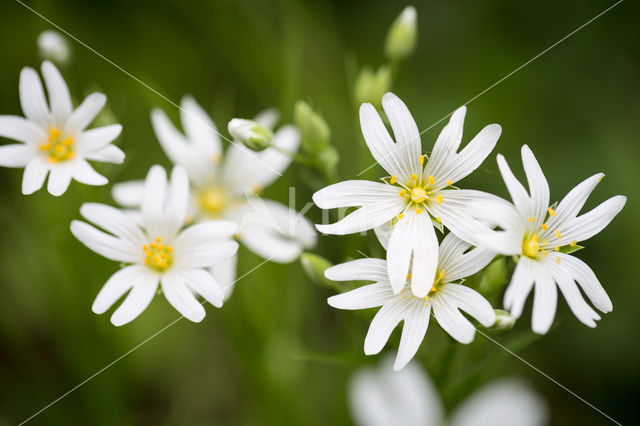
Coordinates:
<point>46,146</point>
<point>158,239</point>
<point>573,243</point>
<point>400,216</point>
<point>439,199</point>
<point>418,210</point>
<point>557,247</point>
<point>422,159</point>
<point>153,245</point>
<point>431,180</point>
<point>53,134</point>
<point>532,219</point>
<point>414,176</point>
<point>558,260</point>
<point>67,142</point>
<point>552,212</point>
<point>438,219</point>
<point>558,234</point>
<point>530,246</point>
<point>441,274</point>
<point>544,226</point>
<point>449,182</point>
<point>408,276</point>
<point>403,192</point>
<point>393,179</point>
<point>157,255</point>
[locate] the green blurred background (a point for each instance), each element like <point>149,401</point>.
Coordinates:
<point>276,353</point>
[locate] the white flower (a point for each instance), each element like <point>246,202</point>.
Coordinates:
<point>157,251</point>
<point>415,193</point>
<point>381,397</point>
<point>541,235</point>
<point>52,137</point>
<point>226,189</point>
<point>445,297</point>
<point>54,46</point>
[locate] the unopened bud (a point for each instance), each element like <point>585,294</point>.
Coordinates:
<point>370,85</point>
<point>504,321</point>
<point>314,266</point>
<point>401,39</point>
<point>494,277</point>
<point>250,133</point>
<point>54,47</point>
<point>315,131</point>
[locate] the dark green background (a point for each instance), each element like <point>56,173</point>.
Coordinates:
<point>276,353</point>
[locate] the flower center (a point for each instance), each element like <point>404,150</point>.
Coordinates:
<point>418,194</point>
<point>57,147</point>
<point>531,246</point>
<point>212,201</point>
<point>158,256</point>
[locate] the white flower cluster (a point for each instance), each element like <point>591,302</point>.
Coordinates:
<point>421,275</point>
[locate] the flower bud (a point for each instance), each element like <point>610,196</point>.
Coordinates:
<point>315,131</point>
<point>370,85</point>
<point>494,277</point>
<point>401,38</point>
<point>504,321</point>
<point>250,133</point>
<point>54,47</point>
<point>314,266</point>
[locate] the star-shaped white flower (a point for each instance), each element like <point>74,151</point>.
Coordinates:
<point>541,236</point>
<point>157,250</point>
<point>53,136</point>
<point>382,397</point>
<point>227,188</point>
<point>445,297</point>
<point>418,190</point>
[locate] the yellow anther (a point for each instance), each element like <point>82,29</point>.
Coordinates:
<point>558,260</point>
<point>145,247</point>
<point>544,252</point>
<point>558,234</point>
<point>449,182</point>
<point>573,243</point>
<point>408,276</point>
<point>530,246</point>
<point>438,219</point>
<point>169,249</point>
<point>403,192</point>
<point>153,245</point>
<point>441,276</point>
<point>431,180</point>
<point>400,216</point>
<point>53,134</point>
<point>532,219</point>
<point>544,226</point>
<point>160,246</point>
<point>147,261</point>
<point>439,199</point>
<point>414,176</point>
<point>421,159</point>
<point>46,146</point>
<point>433,288</point>
<point>557,247</point>
<point>418,210</point>
<point>58,148</point>
<point>552,212</point>
<point>393,179</point>
<point>158,239</point>
<point>67,142</point>
<point>418,195</point>
<point>157,255</point>
<point>425,298</point>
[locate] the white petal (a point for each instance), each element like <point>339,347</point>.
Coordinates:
<point>94,139</point>
<point>204,233</point>
<point>199,127</point>
<point>34,104</point>
<point>268,118</point>
<point>153,201</point>
<point>177,199</point>
<point>365,297</point>
<point>471,302</point>
<point>545,302</point>
<point>368,269</point>
<point>85,113</point>
<point>520,286</point>
<point>405,130</point>
<point>383,324</point>
<point>518,193</point>
<point>172,141</point>
<point>589,224</point>
<point>59,179</point>
<point>16,155</point>
<point>138,298</point>
<point>446,145</point>
<point>573,202</point>
<point>203,283</point>
<point>383,233</point>
<point>451,320</point>
<point>19,129</point>
<point>352,193</point>
<point>59,96</point>
<point>114,221</point>
<point>108,154</point>
<point>34,175</point>
<point>128,194</point>
<point>413,332</point>
<point>106,245</point>
<point>367,217</point>
<point>84,173</point>
<point>414,236</point>
<point>458,264</point>
<point>180,297</point>
<point>225,274</point>
<point>508,240</point>
<point>583,275</point>
<point>503,402</point>
<point>201,245</point>
<point>538,186</point>
<point>115,287</point>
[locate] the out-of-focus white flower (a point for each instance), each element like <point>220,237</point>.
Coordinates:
<point>401,39</point>
<point>444,296</point>
<point>541,236</point>
<point>227,188</point>
<point>53,139</point>
<point>251,134</point>
<point>416,193</point>
<point>157,251</point>
<point>53,46</point>
<point>382,397</point>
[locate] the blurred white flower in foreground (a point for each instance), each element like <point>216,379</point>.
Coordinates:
<point>542,236</point>
<point>157,251</point>
<point>445,297</point>
<point>228,189</point>
<point>54,47</point>
<point>52,137</point>
<point>415,194</point>
<point>381,397</point>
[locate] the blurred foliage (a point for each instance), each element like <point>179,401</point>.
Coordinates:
<point>276,353</point>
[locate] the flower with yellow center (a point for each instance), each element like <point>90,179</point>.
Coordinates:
<point>157,251</point>
<point>542,236</point>
<point>446,298</point>
<point>418,192</point>
<point>53,136</point>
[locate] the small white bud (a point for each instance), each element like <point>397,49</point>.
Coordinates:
<point>250,133</point>
<point>504,321</point>
<point>54,47</point>
<point>401,38</point>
